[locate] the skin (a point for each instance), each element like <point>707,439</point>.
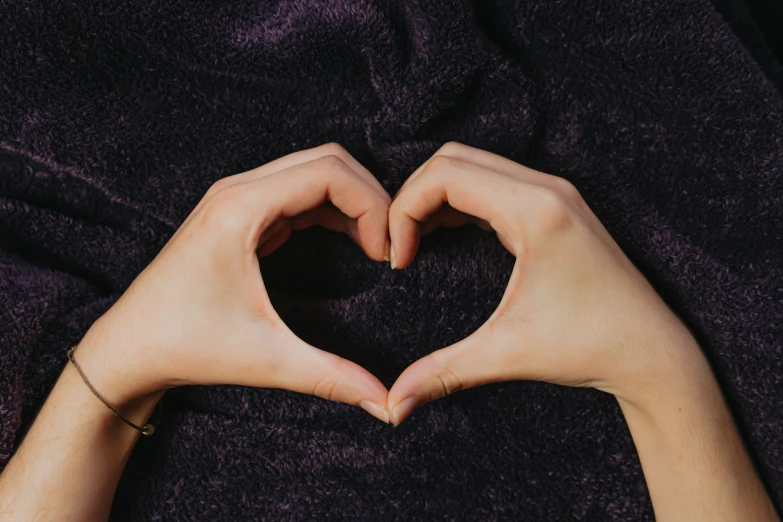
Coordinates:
<point>576,313</point>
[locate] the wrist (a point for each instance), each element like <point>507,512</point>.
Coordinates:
<point>94,412</point>
<point>675,373</point>
<point>690,449</point>
<point>114,368</point>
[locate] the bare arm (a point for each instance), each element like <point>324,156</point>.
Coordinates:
<point>693,458</point>
<point>71,460</point>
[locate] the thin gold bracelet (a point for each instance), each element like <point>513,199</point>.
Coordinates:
<point>147,429</point>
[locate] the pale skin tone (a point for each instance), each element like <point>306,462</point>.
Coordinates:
<point>576,313</point>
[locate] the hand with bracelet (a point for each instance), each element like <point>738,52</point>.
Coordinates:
<point>576,312</point>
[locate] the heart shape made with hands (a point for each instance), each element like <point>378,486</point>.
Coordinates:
<point>208,318</point>
<point>462,185</point>
<point>373,233</point>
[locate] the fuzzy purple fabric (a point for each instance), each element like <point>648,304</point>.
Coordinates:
<point>115,117</point>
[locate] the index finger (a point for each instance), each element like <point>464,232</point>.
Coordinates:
<point>305,186</point>
<point>474,190</point>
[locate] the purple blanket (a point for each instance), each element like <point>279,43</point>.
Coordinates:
<point>115,117</point>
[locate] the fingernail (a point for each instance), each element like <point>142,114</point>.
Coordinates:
<point>392,258</point>
<point>376,410</point>
<point>402,410</point>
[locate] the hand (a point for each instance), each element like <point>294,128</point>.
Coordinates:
<point>199,313</point>
<point>576,311</point>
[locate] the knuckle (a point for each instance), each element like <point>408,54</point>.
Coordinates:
<point>219,185</point>
<point>449,381</point>
<point>443,375</point>
<point>553,210</point>
<point>220,212</point>
<point>451,148</point>
<point>441,163</point>
<point>324,388</point>
<point>396,207</point>
<point>334,149</point>
<point>334,164</point>
<point>328,382</point>
<point>567,189</point>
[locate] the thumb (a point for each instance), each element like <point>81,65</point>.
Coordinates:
<point>481,358</point>
<point>306,369</point>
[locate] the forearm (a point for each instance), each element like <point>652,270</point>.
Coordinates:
<point>693,458</point>
<point>70,462</point>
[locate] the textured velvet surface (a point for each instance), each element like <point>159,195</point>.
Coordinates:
<point>115,117</point>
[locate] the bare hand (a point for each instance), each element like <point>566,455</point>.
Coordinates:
<point>576,311</point>
<point>199,313</point>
